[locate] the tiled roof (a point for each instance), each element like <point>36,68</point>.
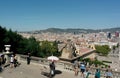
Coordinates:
<point>84,50</point>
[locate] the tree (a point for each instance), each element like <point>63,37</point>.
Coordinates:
<point>13,39</point>
<point>102,50</point>
<point>55,49</point>
<point>2,36</point>
<point>49,48</point>
<point>33,46</point>
<point>22,45</point>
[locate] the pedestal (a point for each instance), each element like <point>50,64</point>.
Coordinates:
<point>7,53</point>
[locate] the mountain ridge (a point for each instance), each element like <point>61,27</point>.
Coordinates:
<point>76,31</point>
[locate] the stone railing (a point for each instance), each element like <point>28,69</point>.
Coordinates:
<point>67,66</point>
<point>34,59</point>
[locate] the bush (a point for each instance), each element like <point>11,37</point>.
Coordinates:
<point>102,50</point>
<point>107,61</point>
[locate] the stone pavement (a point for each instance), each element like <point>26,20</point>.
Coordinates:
<point>34,71</point>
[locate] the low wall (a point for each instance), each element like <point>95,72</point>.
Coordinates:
<point>66,65</point>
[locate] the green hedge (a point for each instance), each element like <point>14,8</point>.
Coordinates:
<point>107,61</point>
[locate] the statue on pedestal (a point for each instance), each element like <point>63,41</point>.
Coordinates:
<point>7,53</point>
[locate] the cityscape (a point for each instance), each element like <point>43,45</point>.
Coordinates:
<point>73,47</point>
<point>59,39</point>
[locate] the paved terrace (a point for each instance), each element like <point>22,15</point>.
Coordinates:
<point>34,71</point>
<point>37,66</point>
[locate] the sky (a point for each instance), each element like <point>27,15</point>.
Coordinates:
<point>29,15</point>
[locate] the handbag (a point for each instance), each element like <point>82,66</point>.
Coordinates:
<point>52,72</point>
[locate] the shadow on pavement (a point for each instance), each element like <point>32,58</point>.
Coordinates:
<point>48,74</point>
<point>45,74</point>
<point>58,72</point>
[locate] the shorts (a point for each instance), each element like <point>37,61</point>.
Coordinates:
<point>82,70</point>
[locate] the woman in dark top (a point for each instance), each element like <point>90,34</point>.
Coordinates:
<point>52,69</point>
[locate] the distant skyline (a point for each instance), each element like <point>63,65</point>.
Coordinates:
<point>29,15</point>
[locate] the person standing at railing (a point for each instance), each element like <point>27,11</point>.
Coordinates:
<point>16,63</point>
<point>87,73</point>
<point>108,73</point>
<point>12,61</point>
<point>76,66</point>
<point>82,68</point>
<point>97,73</point>
<point>28,58</point>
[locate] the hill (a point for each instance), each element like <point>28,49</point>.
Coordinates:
<point>76,31</point>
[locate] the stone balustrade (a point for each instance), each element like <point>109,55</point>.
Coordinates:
<point>66,65</point>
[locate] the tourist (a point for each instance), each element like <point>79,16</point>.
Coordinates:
<point>97,73</point>
<point>3,59</point>
<point>108,73</point>
<point>76,65</point>
<point>76,70</point>
<point>0,64</point>
<point>82,68</point>
<point>12,61</point>
<point>15,61</point>
<point>28,58</point>
<point>52,69</point>
<point>87,73</point>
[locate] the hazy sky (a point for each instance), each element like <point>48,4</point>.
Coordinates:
<point>26,15</point>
